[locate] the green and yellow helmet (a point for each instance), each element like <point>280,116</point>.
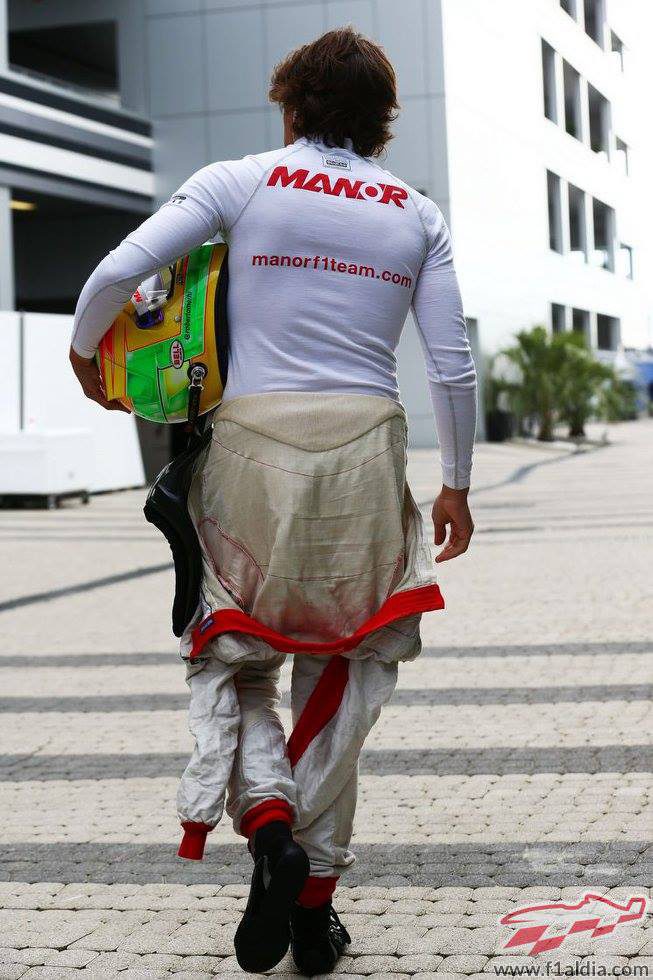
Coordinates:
<point>170,343</point>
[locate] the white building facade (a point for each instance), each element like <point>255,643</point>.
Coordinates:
<point>546,181</point>
<point>519,118</point>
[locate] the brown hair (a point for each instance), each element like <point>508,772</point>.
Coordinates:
<point>341,86</point>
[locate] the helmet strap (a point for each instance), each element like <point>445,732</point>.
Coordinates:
<point>197,373</point>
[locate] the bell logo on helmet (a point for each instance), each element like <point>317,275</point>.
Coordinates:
<point>177,353</point>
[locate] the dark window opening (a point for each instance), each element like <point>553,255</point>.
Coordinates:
<point>48,278</point>
<point>580,321</point>
<point>594,20</point>
<point>558,318</point>
<point>549,82</point>
<point>555,211</point>
<point>577,236</point>
<point>80,56</point>
<point>599,113</point>
<point>572,101</point>
<point>569,7</point>
<point>607,332</point>
<point>603,220</point>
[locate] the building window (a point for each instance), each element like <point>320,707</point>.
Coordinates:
<point>572,101</point>
<point>599,116</point>
<point>577,234</point>
<point>607,332</point>
<point>622,156</point>
<point>594,18</point>
<point>555,211</point>
<point>617,49</point>
<point>549,81</point>
<point>580,322</point>
<point>569,7</point>
<point>603,220</point>
<point>558,318</point>
<point>626,260</point>
<point>79,56</point>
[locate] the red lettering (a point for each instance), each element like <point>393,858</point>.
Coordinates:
<point>394,194</point>
<point>281,175</point>
<point>342,186</point>
<point>350,187</point>
<point>319,182</point>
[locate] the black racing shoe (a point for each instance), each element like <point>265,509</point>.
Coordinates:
<point>281,868</point>
<point>318,939</point>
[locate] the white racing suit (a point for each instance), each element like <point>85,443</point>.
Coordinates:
<point>312,545</point>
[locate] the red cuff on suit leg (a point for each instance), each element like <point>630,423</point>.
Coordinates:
<point>264,813</point>
<point>316,891</point>
<point>193,841</point>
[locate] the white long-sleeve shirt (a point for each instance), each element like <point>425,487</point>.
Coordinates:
<point>327,252</point>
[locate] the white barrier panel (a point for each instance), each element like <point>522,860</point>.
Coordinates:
<point>53,400</point>
<point>49,464</point>
<point>10,359</point>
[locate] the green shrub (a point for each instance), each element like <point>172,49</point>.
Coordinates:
<point>619,401</point>
<point>580,382</point>
<point>557,378</point>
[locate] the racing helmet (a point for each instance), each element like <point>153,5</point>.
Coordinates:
<point>165,355</point>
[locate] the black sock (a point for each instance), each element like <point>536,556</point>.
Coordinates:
<point>270,839</point>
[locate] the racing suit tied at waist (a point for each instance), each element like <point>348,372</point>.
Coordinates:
<point>311,540</point>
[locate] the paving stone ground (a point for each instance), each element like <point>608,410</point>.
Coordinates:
<point>513,767</point>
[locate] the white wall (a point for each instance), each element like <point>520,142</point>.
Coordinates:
<point>10,395</point>
<point>500,146</point>
<point>411,372</point>
<point>633,22</point>
<point>497,221</point>
<point>41,395</point>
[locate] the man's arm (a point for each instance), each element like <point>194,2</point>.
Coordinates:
<point>168,234</point>
<point>208,203</point>
<point>438,310</point>
<point>176,228</point>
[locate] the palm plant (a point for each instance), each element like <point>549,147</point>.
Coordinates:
<point>533,394</point>
<point>579,382</point>
<point>619,400</point>
<point>550,378</point>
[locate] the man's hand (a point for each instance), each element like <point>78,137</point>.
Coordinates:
<point>451,508</point>
<point>88,375</point>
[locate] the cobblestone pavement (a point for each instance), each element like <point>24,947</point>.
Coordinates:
<point>513,766</point>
